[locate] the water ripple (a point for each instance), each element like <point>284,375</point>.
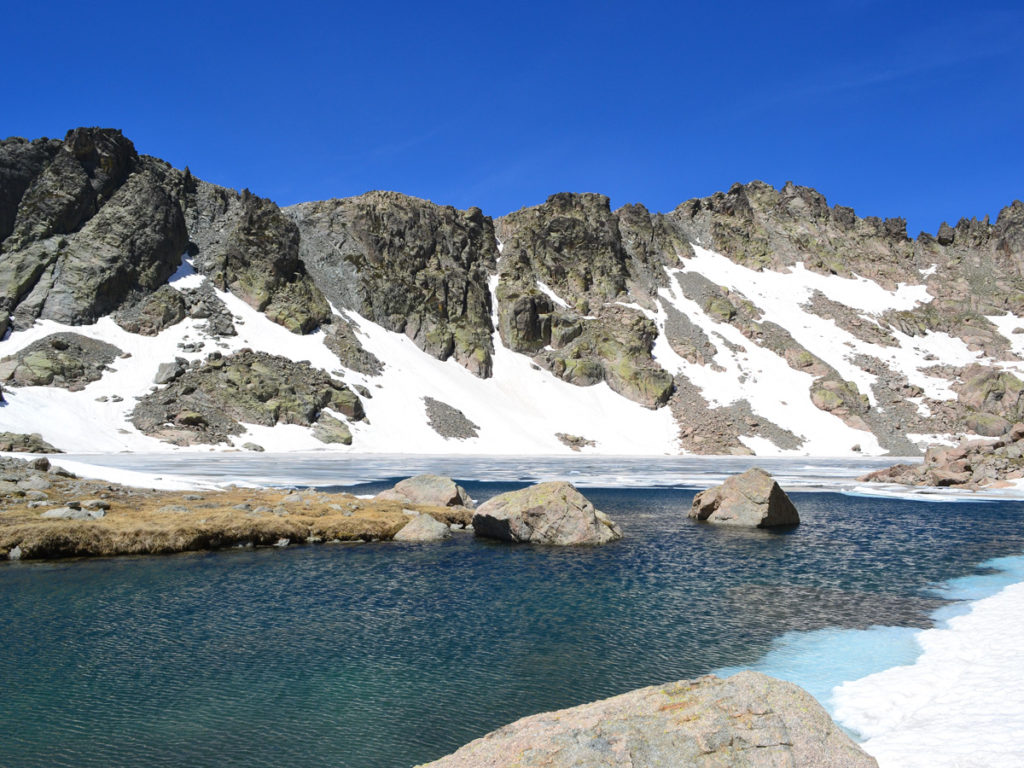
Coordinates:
<point>390,654</point>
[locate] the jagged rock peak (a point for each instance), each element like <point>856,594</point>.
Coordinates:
<point>409,265</point>
<point>86,224</point>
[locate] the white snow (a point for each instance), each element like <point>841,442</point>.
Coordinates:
<point>799,283</point>
<point>521,407</point>
<point>774,390</point>
<point>960,705</point>
<point>546,290</point>
<point>518,410</point>
<point>186,276</point>
<point>1006,325</point>
<point>175,482</point>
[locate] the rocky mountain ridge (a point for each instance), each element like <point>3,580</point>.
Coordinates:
<point>754,320</point>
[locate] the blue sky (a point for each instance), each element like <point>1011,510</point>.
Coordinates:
<point>910,109</point>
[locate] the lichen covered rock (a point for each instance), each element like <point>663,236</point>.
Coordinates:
<point>432,490</point>
<point>409,265</point>
<point>206,404</point>
<point>331,430</point>
<point>246,245</point>
<point>14,442</point>
<point>548,513</point>
<point>67,360</point>
<point>748,720</point>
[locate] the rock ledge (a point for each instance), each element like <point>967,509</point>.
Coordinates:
<point>749,720</point>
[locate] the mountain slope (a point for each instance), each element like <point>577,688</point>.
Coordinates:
<point>753,320</point>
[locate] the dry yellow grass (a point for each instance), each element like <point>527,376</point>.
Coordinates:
<point>146,522</point>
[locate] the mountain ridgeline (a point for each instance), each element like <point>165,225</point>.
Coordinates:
<point>89,229</point>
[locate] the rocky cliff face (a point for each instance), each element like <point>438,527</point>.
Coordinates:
<point>976,267</point>
<point>570,268</point>
<point>246,245</point>
<point>408,265</point>
<point>754,319</point>
<point>87,223</point>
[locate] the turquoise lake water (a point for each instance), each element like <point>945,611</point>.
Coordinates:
<point>390,654</point>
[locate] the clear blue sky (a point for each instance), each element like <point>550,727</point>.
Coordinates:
<point>895,108</point>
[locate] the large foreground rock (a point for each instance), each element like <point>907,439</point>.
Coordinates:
<point>434,490</point>
<point>749,720</point>
<point>549,513</point>
<point>752,499</point>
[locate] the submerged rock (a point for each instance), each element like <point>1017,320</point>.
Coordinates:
<point>752,499</point>
<point>749,720</point>
<point>548,513</point>
<point>434,490</point>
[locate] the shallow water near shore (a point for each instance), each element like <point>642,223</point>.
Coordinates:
<point>390,654</point>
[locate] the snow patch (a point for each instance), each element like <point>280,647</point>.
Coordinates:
<point>546,290</point>
<point>517,411</point>
<point>186,276</point>
<point>774,390</point>
<point>960,704</point>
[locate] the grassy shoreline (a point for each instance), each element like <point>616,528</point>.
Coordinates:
<point>140,521</point>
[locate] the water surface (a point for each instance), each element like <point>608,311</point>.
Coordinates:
<point>389,654</point>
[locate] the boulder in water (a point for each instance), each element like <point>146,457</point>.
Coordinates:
<point>548,513</point>
<point>751,499</point>
<point>423,528</point>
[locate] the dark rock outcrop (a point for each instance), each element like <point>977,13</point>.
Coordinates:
<point>548,513</point>
<point>14,442</point>
<point>748,720</point>
<point>94,226</point>
<point>205,404</point>
<point>246,245</point>
<point>203,304</point>
<point>408,265</point>
<point>594,261</point>
<point>66,360</point>
<point>341,339</point>
<point>449,422</point>
<point>751,499</point>
<point>153,313</point>
<point>576,442</point>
